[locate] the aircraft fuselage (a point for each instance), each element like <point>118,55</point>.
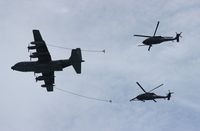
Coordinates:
<point>36,67</point>
<point>156,40</point>
<point>149,96</point>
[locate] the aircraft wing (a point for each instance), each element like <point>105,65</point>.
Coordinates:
<point>42,52</point>
<point>49,80</point>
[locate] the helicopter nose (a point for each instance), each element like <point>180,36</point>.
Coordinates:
<point>144,42</point>
<point>13,67</point>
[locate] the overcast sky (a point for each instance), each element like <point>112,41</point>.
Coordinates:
<point>110,25</point>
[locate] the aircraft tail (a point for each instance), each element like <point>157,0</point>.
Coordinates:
<point>76,59</point>
<point>169,95</point>
<point>178,35</point>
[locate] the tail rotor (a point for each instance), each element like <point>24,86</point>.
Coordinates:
<point>178,35</point>
<point>169,95</point>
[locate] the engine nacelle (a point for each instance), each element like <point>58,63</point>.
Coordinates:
<point>44,85</point>
<point>36,55</point>
<point>31,47</point>
<point>40,78</point>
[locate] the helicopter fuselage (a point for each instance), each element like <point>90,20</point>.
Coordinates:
<point>157,40</point>
<point>149,96</point>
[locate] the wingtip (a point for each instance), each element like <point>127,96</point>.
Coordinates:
<point>35,30</point>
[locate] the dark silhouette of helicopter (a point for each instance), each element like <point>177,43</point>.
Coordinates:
<point>150,96</point>
<point>152,40</point>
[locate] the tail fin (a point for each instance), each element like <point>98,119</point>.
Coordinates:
<point>178,35</point>
<point>169,95</point>
<point>76,59</point>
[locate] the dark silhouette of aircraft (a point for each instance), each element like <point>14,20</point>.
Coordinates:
<point>45,65</point>
<point>152,40</point>
<point>150,96</point>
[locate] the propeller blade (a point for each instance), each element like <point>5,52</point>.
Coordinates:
<point>154,100</point>
<point>156,28</point>
<point>169,95</point>
<point>143,45</point>
<point>142,36</point>
<point>171,92</point>
<point>149,47</point>
<point>180,34</point>
<point>28,46</point>
<point>156,87</point>
<point>140,86</point>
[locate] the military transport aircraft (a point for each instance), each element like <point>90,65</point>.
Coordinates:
<point>150,96</point>
<point>152,40</point>
<point>45,65</point>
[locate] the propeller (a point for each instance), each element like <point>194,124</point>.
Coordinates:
<point>142,35</point>
<point>170,92</point>
<point>140,86</point>
<point>156,28</point>
<point>30,56</point>
<point>179,34</point>
<point>169,95</point>
<point>143,45</point>
<point>156,87</point>
<point>28,47</point>
<point>149,47</point>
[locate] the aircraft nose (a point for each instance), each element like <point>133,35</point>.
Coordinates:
<point>13,67</point>
<point>144,42</point>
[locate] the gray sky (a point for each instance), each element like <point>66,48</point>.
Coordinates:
<point>102,24</point>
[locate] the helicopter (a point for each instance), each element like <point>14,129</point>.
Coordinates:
<point>150,95</point>
<point>152,40</point>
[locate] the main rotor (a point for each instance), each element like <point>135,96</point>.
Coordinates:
<point>153,33</point>
<point>150,90</point>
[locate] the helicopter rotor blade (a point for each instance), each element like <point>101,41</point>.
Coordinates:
<point>143,45</point>
<point>142,36</point>
<point>156,28</point>
<point>149,47</point>
<point>156,87</point>
<point>154,100</point>
<point>170,92</point>
<point>140,86</point>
